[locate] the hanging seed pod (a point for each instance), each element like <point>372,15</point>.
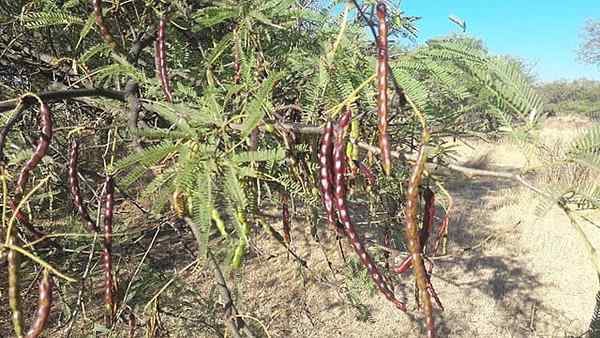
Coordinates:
<point>339,159</point>
<point>160,58</point>
<point>178,203</point>
<point>382,99</point>
<point>404,265</point>
<point>240,250</point>
<point>366,172</point>
<point>428,215</point>
<point>104,32</point>
<point>74,188</point>
<point>326,176</point>
<point>216,217</point>
<point>414,241</point>
<point>44,304</point>
<point>285,215</point>
<point>40,150</point>
<point>237,63</point>
<point>14,296</point>
<point>109,204</point>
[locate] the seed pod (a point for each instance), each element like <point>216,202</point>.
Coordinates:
<point>244,232</point>
<point>442,235</point>
<point>160,58</point>
<point>285,215</point>
<point>414,242</point>
<point>132,323</point>
<point>40,150</point>
<point>404,265</point>
<point>237,64</point>
<point>178,204</point>
<point>216,217</point>
<point>14,296</point>
<point>382,100</point>
<point>74,188</point>
<point>109,205</point>
<point>366,171</point>
<point>44,304</point>
<point>339,158</point>
<point>22,218</point>
<point>326,176</point>
<point>104,32</point>
<point>428,215</point>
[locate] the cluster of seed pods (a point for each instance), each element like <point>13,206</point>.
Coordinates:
<point>382,99</point>
<point>74,188</point>
<point>104,32</point>
<point>338,157</point>
<point>160,59</point>
<point>326,177</point>
<point>414,241</point>
<point>45,288</point>
<point>109,204</point>
<point>424,234</point>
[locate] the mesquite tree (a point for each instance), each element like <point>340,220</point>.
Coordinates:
<point>208,107</point>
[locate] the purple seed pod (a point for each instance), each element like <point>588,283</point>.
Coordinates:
<point>44,304</point>
<point>160,58</point>
<point>414,241</point>
<point>285,215</point>
<point>366,172</point>
<point>40,150</point>
<point>74,188</point>
<point>428,215</point>
<point>104,32</point>
<point>339,158</point>
<point>404,265</point>
<point>382,99</point>
<point>109,205</point>
<point>326,176</point>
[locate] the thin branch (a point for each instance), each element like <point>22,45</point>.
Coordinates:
<point>63,95</point>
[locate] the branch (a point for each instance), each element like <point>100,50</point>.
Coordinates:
<point>63,95</point>
<point>232,320</point>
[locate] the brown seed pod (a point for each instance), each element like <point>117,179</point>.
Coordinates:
<point>382,99</point>
<point>414,241</point>
<point>237,64</point>
<point>109,204</point>
<point>339,159</point>
<point>428,215</point>
<point>40,150</point>
<point>104,32</point>
<point>366,172</point>
<point>44,304</point>
<point>160,58</point>
<point>326,176</point>
<point>14,296</point>
<point>285,215</point>
<point>74,188</point>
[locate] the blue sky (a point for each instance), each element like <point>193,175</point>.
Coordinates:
<point>545,33</point>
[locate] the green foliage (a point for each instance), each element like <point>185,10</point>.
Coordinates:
<point>571,97</point>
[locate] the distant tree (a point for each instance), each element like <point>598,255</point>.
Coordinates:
<point>589,51</point>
